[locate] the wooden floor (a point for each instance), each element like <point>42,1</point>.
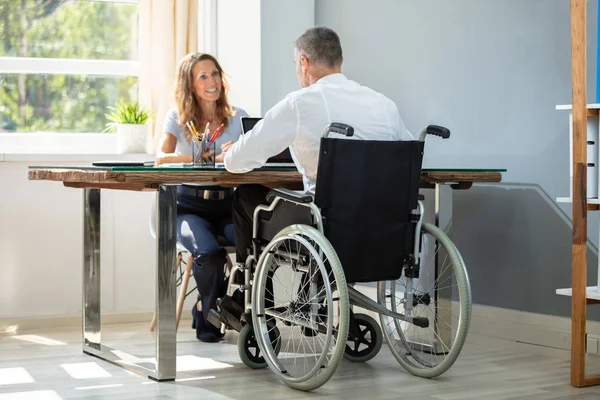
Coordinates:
<point>52,366</point>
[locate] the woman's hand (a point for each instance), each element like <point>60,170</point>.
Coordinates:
<point>166,148</point>
<point>172,158</point>
<point>224,148</point>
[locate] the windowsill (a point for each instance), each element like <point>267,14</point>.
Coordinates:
<point>63,147</point>
<point>72,158</point>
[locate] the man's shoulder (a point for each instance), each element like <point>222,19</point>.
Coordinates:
<point>369,90</point>
<point>298,94</point>
<point>360,88</point>
<point>314,90</point>
<point>388,103</point>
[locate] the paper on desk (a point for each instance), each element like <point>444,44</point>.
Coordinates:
<point>175,165</point>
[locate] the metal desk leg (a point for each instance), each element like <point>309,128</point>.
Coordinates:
<point>166,334</point>
<point>444,295</point>
<point>166,237</point>
<point>91,269</point>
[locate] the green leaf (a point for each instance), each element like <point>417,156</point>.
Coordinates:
<point>126,113</point>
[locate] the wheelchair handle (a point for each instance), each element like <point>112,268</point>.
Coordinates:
<point>339,128</point>
<point>435,130</point>
<point>347,130</point>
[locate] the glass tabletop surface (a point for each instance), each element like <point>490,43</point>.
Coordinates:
<point>213,169</point>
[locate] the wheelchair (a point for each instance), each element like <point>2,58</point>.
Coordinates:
<point>295,309</point>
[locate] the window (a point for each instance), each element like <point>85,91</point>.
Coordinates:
<point>63,62</point>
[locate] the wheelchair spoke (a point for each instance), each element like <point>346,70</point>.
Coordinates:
<point>302,289</point>
<point>441,295</point>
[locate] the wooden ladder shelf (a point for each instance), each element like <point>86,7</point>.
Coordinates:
<point>580,294</point>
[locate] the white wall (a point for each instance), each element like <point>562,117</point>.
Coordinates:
<point>283,22</point>
<point>255,48</point>
<point>41,247</point>
<point>239,49</point>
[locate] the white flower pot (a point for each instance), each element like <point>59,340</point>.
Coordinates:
<point>132,138</point>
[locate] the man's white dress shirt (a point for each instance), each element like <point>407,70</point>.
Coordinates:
<point>299,119</point>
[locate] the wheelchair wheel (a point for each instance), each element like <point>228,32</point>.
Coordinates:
<point>248,349</point>
<point>365,340</point>
<point>308,301</point>
<point>442,294</point>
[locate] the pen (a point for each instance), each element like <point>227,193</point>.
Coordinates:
<point>206,132</point>
<point>190,125</point>
<point>217,133</point>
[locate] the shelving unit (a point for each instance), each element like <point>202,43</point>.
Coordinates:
<point>590,202</point>
<point>584,175</point>
<point>591,293</point>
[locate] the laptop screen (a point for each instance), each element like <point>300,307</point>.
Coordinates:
<point>283,157</point>
<point>248,123</point>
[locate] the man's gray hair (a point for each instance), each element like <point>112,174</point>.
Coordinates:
<point>320,45</point>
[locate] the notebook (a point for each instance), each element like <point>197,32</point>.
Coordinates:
<point>109,163</point>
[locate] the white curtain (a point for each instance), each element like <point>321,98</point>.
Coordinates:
<point>168,31</point>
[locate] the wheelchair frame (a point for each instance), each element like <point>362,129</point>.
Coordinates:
<point>355,298</point>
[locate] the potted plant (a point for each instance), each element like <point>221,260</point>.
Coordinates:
<point>131,124</point>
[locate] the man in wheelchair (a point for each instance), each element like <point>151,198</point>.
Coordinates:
<point>298,121</point>
<point>360,209</point>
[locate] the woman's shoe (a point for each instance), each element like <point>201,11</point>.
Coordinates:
<point>194,312</point>
<point>204,332</point>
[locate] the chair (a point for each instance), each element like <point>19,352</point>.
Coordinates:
<point>364,224</point>
<point>184,274</point>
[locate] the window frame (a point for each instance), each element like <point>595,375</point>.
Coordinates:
<point>63,66</point>
<point>61,143</point>
<point>68,66</point>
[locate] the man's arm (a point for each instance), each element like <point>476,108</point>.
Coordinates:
<point>270,136</point>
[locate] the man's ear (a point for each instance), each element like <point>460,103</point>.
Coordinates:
<point>304,62</point>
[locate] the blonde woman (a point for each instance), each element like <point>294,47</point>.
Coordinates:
<point>203,212</point>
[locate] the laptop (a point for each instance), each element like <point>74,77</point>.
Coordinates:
<point>283,159</point>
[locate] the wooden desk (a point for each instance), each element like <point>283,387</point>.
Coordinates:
<point>164,181</point>
<point>151,178</point>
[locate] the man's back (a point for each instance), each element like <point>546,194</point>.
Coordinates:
<point>298,122</point>
<point>335,98</point>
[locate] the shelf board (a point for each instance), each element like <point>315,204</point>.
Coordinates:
<point>593,110</point>
<point>569,200</point>
<point>592,292</point>
<point>570,107</point>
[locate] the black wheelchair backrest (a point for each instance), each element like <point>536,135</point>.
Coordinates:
<point>366,191</point>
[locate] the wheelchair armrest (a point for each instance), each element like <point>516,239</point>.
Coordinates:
<point>296,197</point>
<point>435,130</point>
<point>438,130</point>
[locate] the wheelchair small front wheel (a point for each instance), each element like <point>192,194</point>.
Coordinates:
<point>248,349</point>
<point>364,339</point>
<point>299,284</point>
